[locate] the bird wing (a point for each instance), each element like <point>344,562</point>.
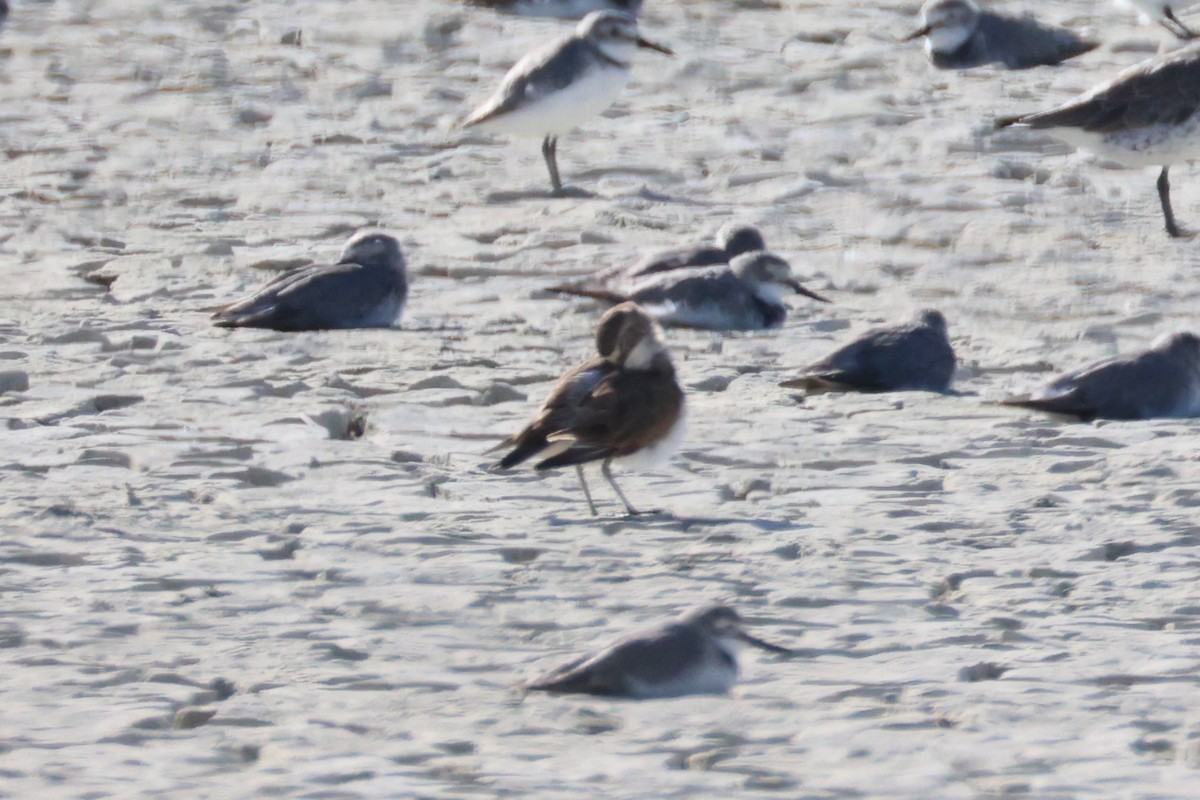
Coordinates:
<point>711,299</point>
<point>682,258</point>
<point>312,298</point>
<point>1132,387</point>
<point>556,412</point>
<point>655,657</point>
<point>627,410</point>
<point>886,359</point>
<point>1023,42</point>
<point>543,71</point>
<point>1135,98</point>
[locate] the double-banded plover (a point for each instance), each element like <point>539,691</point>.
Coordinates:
<point>695,654</point>
<point>915,355</point>
<point>366,288</point>
<point>557,87</point>
<point>1148,115</point>
<point>562,9</point>
<point>959,35</point>
<point>624,401</point>
<point>747,295</point>
<point>1163,381</point>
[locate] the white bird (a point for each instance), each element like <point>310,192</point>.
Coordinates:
<point>1164,13</point>
<point>558,87</point>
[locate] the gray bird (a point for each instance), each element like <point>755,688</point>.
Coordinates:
<point>1148,115</point>
<point>915,355</point>
<point>1163,381</point>
<point>562,9</point>
<point>747,295</point>
<point>558,87</point>
<point>732,240</point>
<point>695,654</point>
<point>960,35</point>
<point>366,288</point>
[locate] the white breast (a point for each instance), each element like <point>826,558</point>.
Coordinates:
<point>565,109</point>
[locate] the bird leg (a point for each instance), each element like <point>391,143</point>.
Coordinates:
<point>550,153</point>
<point>1177,27</point>
<point>1164,195</point>
<point>587,494</point>
<point>606,469</point>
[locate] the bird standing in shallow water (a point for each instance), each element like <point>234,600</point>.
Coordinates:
<point>623,402</point>
<point>366,288</point>
<point>1163,381</point>
<point>1148,115</point>
<point>912,355</point>
<point>695,654</point>
<point>557,87</point>
<point>960,35</point>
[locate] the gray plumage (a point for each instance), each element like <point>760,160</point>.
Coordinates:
<point>747,295</point>
<point>695,654</point>
<point>916,355</point>
<point>960,35</point>
<point>1162,381</point>
<point>732,240</point>
<point>366,288</point>
<point>1148,115</point>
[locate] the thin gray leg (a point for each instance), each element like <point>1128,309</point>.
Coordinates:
<point>550,153</point>
<point>1164,195</point>
<point>1180,30</point>
<point>633,512</point>
<point>587,494</point>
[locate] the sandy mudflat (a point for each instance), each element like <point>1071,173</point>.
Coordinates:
<point>179,512</point>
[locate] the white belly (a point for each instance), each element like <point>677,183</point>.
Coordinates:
<point>1154,146</point>
<point>710,677</point>
<point>661,451</point>
<point>561,111</point>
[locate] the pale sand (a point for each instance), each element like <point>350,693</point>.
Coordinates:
<point>159,471</point>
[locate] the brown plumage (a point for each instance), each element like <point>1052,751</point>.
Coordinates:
<point>622,402</point>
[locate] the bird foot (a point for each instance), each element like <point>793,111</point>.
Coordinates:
<point>573,192</point>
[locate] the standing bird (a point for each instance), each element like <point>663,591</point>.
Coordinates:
<point>1163,12</point>
<point>1148,115</point>
<point>695,654</point>
<point>1163,381</point>
<point>914,355</point>
<point>562,9</point>
<point>623,402</point>
<point>747,295</point>
<point>366,288</point>
<point>959,35</point>
<point>555,88</point>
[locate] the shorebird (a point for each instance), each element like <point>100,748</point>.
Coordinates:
<point>1148,115</point>
<point>732,240</point>
<point>1163,381</point>
<point>695,654</point>
<point>747,295</point>
<point>1163,12</point>
<point>366,288</point>
<point>557,87</point>
<point>624,401</point>
<point>959,35</point>
<point>913,355</point>
<point>562,9</point>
